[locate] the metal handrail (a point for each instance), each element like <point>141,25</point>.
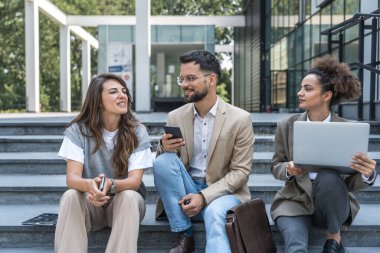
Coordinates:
<point>350,22</point>
<point>359,19</point>
<point>364,66</point>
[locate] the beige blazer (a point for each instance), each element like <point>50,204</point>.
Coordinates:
<point>230,152</point>
<point>296,198</point>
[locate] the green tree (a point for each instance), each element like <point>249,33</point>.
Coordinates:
<point>224,87</point>
<point>50,80</point>
<point>12,43</point>
<point>12,59</point>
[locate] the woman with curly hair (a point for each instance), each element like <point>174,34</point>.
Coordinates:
<point>324,199</point>
<point>106,150</point>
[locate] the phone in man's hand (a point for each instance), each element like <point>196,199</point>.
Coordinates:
<point>175,131</point>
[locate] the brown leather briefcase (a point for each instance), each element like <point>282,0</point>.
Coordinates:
<point>248,228</point>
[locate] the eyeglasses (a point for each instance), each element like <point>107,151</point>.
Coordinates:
<point>189,79</point>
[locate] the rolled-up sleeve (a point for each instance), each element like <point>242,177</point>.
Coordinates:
<point>140,160</point>
<point>70,151</point>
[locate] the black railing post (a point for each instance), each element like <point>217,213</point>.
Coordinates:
<point>329,43</point>
<point>361,60</point>
<point>372,108</point>
<point>341,48</point>
<point>341,59</point>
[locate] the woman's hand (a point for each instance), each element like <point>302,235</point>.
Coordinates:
<point>94,196</point>
<point>363,164</point>
<point>294,171</point>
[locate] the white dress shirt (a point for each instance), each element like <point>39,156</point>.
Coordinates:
<point>202,134</point>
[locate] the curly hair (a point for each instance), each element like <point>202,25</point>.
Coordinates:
<point>90,117</point>
<point>337,78</point>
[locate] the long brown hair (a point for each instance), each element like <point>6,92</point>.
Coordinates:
<point>90,116</point>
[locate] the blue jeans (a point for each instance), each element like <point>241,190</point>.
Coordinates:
<point>173,182</point>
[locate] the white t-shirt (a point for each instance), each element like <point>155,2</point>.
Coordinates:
<point>138,160</point>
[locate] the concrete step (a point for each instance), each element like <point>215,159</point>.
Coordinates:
<point>36,123</point>
<point>280,249</point>
<point>51,127</point>
<point>38,163</point>
<point>30,143</point>
<point>48,189</point>
<point>266,125</point>
<point>154,235</point>
<point>265,186</point>
<point>50,143</point>
<point>41,143</point>
<point>45,163</point>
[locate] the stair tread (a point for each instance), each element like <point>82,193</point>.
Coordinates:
<point>13,215</point>
<point>280,249</point>
<point>60,136</point>
<point>257,181</point>
<point>31,137</point>
<point>6,156</point>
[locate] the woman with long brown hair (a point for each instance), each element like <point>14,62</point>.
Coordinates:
<point>106,150</point>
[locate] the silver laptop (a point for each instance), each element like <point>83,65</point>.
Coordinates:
<point>318,145</point>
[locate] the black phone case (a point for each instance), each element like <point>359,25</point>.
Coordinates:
<point>175,131</point>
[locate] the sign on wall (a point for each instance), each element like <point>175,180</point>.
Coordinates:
<point>120,62</point>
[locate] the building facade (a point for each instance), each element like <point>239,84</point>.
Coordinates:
<point>282,38</point>
<point>117,54</point>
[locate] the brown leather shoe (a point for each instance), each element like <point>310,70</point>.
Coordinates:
<point>184,244</point>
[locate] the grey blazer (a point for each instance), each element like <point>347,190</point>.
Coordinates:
<point>296,197</point>
<point>230,151</point>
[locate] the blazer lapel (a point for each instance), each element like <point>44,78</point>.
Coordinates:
<point>218,125</point>
<point>188,132</point>
<point>302,117</point>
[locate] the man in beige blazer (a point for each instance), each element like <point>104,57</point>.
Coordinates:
<point>205,173</point>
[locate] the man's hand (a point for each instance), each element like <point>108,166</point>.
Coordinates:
<point>94,196</point>
<point>171,145</point>
<point>294,171</point>
<point>192,204</point>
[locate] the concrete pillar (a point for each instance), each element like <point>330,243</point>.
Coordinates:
<point>232,80</point>
<point>86,67</point>
<point>160,63</point>
<point>32,58</point>
<point>65,75</point>
<point>143,96</point>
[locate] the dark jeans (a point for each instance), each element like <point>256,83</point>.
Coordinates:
<point>331,210</point>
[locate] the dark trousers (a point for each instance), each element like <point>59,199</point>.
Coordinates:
<point>331,210</point>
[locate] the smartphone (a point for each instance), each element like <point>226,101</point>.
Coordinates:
<point>175,131</point>
<point>102,183</point>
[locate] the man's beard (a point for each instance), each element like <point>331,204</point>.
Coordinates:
<point>197,96</point>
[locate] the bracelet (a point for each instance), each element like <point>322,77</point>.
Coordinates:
<point>112,191</point>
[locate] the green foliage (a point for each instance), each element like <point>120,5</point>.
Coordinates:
<point>12,59</point>
<point>221,90</point>
<point>224,87</point>
<point>12,43</point>
<point>199,7</point>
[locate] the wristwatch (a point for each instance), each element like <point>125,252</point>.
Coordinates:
<point>112,190</point>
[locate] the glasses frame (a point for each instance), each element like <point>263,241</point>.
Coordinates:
<point>189,78</point>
